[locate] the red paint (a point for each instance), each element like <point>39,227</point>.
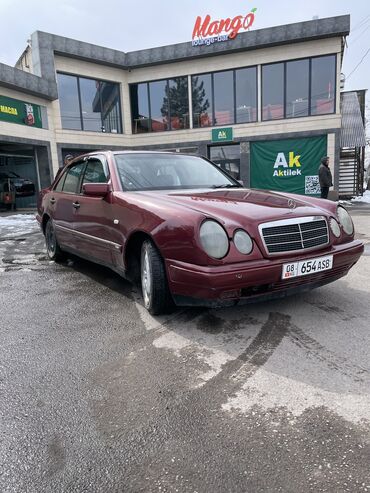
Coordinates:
<point>205,28</point>
<point>172,220</point>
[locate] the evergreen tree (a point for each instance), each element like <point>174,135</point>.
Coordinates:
<point>176,100</point>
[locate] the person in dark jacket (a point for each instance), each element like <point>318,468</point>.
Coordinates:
<point>325,178</point>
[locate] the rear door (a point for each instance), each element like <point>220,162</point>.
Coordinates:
<point>93,222</point>
<point>63,203</point>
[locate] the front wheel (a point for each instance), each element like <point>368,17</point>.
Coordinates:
<point>52,246</point>
<point>156,295</point>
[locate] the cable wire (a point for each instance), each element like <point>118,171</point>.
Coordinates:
<point>359,63</point>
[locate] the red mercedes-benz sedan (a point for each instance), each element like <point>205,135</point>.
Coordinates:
<point>190,233</point>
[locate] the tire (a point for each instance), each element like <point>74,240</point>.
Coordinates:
<point>154,286</point>
<point>52,246</point>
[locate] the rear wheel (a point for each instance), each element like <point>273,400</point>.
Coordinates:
<point>156,295</point>
<point>52,246</point>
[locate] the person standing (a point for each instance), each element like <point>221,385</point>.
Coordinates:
<point>325,178</point>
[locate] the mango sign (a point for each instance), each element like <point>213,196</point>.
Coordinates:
<point>206,31</point>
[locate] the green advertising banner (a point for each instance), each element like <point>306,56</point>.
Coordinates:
<point>16,111</point>
<point>289,165</point>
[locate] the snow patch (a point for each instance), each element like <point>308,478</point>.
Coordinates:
<point>365,198</point>
<point>17,224</point>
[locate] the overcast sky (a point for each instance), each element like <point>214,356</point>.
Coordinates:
<point>131,25</point>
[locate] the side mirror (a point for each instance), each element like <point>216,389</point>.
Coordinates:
<point>95,189</point>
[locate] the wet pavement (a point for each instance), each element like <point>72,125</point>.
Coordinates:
<point>96,395</point>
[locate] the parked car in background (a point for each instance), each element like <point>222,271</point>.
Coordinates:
<point>189,233</point>
<point>7,194</point>
<point>23,186</point>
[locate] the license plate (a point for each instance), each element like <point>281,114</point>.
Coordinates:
<point>305,267</point>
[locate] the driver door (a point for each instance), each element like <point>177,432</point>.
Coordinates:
<point>93,222</point>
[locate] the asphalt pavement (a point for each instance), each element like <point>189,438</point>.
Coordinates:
<point>96,395</point>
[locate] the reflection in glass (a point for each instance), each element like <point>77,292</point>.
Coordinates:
<point>139,108</point>
<point>297,81</point>
<point>178,102</point>
<point>90,105</point>
<point>223,85</point>
<point>323,85</point>
<point>95,102</point>
<point>110,109</point>
<point>201,87</point>
<point>227,157</point>
<point>246,95</point>
<point>68,102</point>
<point>159,105</point>
<point>273,91</point>
<point>72,180</point>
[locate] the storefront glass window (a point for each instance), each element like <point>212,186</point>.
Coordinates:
<point>89,104</point>
<point>223,84</point>
<point>69,102</point>
<point>159,108</point>
<point>323,85</point>
<point>139,108</point>
<point>297,82</point>
<point>202,100</point>
<point>179,103</point>
<point>273,91</point>
<point>110,107</point>
<point>246,95</point>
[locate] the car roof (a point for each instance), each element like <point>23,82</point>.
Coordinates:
<point>107,152</point>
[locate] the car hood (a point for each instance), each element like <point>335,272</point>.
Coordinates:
<point>241,205</point>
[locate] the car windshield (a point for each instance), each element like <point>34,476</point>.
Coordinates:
<point>169,171</point>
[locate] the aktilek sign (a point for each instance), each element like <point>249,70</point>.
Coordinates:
<point>207,32</point>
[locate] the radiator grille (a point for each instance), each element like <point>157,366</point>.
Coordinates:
<point>295,235</point>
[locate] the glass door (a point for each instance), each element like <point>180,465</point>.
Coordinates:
<point>227,157</point>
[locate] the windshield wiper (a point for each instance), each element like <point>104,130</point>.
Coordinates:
<point>226,185</point>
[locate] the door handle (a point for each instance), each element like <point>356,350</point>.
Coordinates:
<point>76,205</point>
<point>52,200</point>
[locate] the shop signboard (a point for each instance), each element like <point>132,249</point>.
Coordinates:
<point>206,31</point>
<point>16,111</point>
<point>289,165</point>
<point>222,134</point>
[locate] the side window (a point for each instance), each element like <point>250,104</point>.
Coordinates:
<point>95,172</point>
<point>72,179</point>
<point>59,185</point>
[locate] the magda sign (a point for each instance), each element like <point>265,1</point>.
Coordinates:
<point>206,31</point>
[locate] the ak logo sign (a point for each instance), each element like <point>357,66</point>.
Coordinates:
<point>290,167</point>
<point>287,165</point>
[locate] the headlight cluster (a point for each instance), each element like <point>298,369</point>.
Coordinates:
<point>215,241</point>
<point>243,241</point>
<point>334,226</point>
<point>345,220</point>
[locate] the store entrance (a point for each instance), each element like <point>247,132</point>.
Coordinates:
<point>227,157</point>
<point>19,181</point>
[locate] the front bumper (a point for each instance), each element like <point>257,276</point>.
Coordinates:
<point>254,280</point>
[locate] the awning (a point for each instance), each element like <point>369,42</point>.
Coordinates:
<point>353,131</point>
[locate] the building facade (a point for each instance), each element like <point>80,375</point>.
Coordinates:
<point>265,105</point>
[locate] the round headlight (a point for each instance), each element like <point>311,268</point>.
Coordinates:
<point>345,220</point>
<point>243,241</point>
<point>334,226</point>
<point>214,239</point>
